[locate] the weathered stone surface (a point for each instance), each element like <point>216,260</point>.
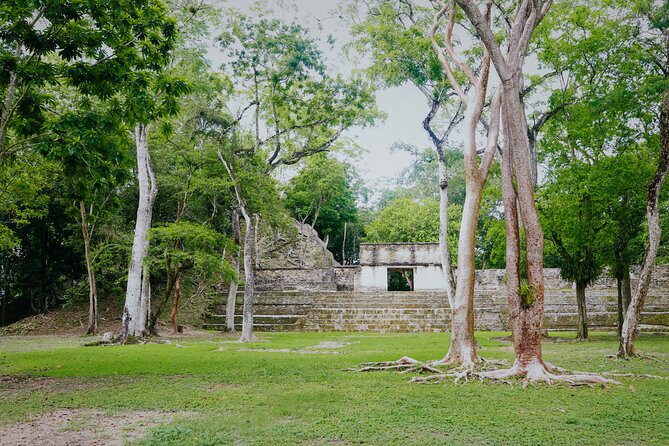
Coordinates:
<point>297,247</point>
<point>286,279</point>
<point>398,254</point>
<point>322,299</point>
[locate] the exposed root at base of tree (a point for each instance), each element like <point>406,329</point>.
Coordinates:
<point>246,340</point>
<point>634,355</point>
<point>484,371</point>
<point>402,365</point>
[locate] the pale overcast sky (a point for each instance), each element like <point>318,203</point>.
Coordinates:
<point>405,106</point>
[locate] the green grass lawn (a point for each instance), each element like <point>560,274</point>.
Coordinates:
<point>230,393</point>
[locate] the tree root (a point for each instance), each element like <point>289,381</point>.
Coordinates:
<point>537,372</point>
<point>402,365</point>
<point>634,355</point>
<point>632,375</point>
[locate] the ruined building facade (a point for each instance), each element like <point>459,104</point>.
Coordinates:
<point>399,287</point>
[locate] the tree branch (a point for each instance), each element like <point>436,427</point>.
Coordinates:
<point>440,53</point>
<point>493,134</point>
<point>488,38</point>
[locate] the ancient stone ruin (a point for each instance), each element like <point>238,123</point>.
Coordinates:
<point>399,287</point>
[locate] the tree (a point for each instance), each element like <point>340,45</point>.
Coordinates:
<point>192,248</point>
<point>574,207</point>
<point>395,35</point>
<point>462,349</point>
<point>91,46</point>
<point>411,220</point>
<point>150,95</point>
<point>517,182</point>
<point>279,70</point>
<point>631,322</point>
<point>90,142</point>
<point>613,71</point>
<point>324,194</point>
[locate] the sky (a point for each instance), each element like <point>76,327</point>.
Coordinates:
<point>404,106</point>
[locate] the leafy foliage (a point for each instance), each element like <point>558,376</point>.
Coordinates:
<point>324,195</point>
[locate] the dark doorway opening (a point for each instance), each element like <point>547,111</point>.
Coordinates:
<point>400,279</point>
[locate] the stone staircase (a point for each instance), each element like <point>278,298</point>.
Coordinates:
<point>349,311</point>
<point>408,312</point>
<point>379,312</point>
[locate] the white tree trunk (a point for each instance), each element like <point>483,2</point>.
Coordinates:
<point>145,301</point>
<point>633,315</point>
<point>134,313</point>
<point>462,349</point>
<point>249,271</point>
<point>446,267</point>
<point>92,287</point>
<point>249,278</point>
<point>232,292</point>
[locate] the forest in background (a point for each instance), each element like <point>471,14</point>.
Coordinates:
<point>111,105</point>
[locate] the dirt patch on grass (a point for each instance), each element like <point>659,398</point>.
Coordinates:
<point>11,385</point>
<point>83,427</point>
<point>322,348</point>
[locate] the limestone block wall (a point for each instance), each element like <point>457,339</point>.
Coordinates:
<point>328,299</point>
<point>295,279</point>
<point>399,254</point>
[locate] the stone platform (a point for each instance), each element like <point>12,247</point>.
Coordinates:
<point>327,300</point>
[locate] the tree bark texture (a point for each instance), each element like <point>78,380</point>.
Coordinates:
<point>232,291</point>
<point>249,279</point>
<point>92,287</point>
<point>445,255</point>
<point>631,323</point>
<point>131,324</point>
<point>175,304</point>
<point>624,297</point>
<point>526,318</point>
<point>462,349</point>
<point>582,333</point>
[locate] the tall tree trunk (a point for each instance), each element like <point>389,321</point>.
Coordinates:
<point>631,324</point>
<point>526,317</point>
<point>582,311</point>
<point>626,289</point>
<point>343,246</point>
<point>249,271</point>
<point>232,291</point>
<point>621,312</point>
<point>169,287</point>
<point>92,288</point>
<point>5,292</point>
<point>249,278</point>
<point>175,304</point>
<point>462,349</point>
<point>131,324</point>
<point>145,304</point>
<point>445,255</point>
